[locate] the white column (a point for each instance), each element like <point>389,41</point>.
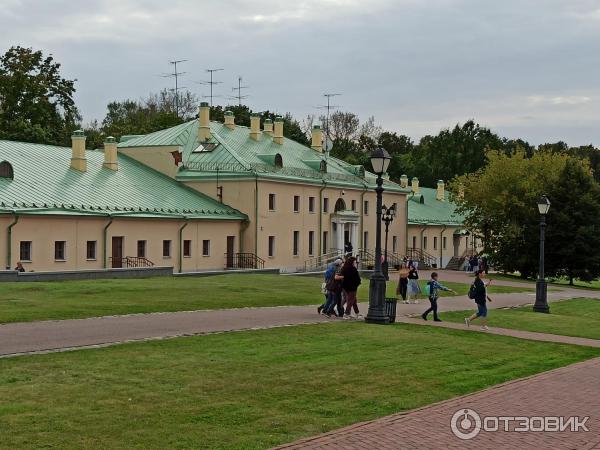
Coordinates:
<point>340,236</point>
<point>354,235</point>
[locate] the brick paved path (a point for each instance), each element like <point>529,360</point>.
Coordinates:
<point>569,391</point>
<point>57,335</point>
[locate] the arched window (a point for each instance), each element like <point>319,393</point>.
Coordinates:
<point>340,205</point>
<point>278,161</point>
<point>6,170</point>
<point>323,166</point>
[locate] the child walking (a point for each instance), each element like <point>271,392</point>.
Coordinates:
<point>478,292</point>
<point>434,294</point>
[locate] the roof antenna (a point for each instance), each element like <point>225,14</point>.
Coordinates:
<point>210,83</point>
<point>327,143</point>
<point>175,75</point>
<point>239,89</point>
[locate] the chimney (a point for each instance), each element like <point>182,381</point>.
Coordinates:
<point>229,119</point>
<point>78,159</point>
<point>415,185</point>
<point>317,138</point>
<point>268,126</point>
<point>204,122</point>
<point>255,126</point>
<point>278,130</point>
<point>441,188</point>
<point>404,181</point>
<point>110,153</point>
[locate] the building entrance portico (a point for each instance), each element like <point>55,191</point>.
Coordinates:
<point>344,226</point>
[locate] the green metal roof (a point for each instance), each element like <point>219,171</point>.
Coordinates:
<point>232,153</point>
<point>44,183</point>
<point>424,208</point>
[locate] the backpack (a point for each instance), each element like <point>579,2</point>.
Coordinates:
<point>472,291</point>
<point>428,288</point>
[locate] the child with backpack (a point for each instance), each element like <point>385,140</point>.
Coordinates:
<point>433,289</point>
<point>478,292</point>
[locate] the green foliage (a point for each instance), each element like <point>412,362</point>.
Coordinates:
<point>500,201</point>
<point>36,103</point>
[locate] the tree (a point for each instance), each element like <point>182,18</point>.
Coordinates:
<point>36,102</point>
<point>500,199</point>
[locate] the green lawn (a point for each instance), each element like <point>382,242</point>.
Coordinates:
<point>557,282</point>
<point>578,317</point>
<point>460,288</point>
<point>24,302</point>
<point>254,389</point>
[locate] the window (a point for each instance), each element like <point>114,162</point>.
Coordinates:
<point>435,242</point>
<point>25,251</point>
<point>366,240</point>
<point>325,205</point>
<point>90,251</point>
<point>424,242</point>
<point>444,242</point>
<point>271,246</point>
<point>366,208</point>
<point>394,244</point>
<point>141,249</point>
<point>6,170</point>
<point>311,243</point>
<point>205,247</point>
<point>271,202</point>
<point>353,205</point>
<point>414,242</point>
<point>296,203</point>
<point>311,204</point>
<point>325,235</point>
<point>296,243</point>
<point>60,250</point>
<point>187,248</point>
<point>166,249</point>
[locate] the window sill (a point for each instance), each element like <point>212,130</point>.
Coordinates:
<point>187,256</point>
<point>91,259</point>
<point>206,256</point>
<point>166,257</point>
<point>60,260</point>
<point>26,260</point>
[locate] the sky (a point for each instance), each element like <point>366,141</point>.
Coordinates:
<point>525,68</point>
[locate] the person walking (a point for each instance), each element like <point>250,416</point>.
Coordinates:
<point>402,282</point>
<point>348,248</point>
<point>434,293</point>
<point>334,291</point>
<point>350,282</point>
<point>328,285</point>
<point>413,289</point>
<point>478,292</point>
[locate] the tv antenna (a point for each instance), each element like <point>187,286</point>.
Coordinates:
<point>175,74</point>
<point>328,144</point>
<point>210,83</point>
<point>239,89</point>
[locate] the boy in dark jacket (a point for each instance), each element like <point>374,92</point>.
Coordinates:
<point>434,294</point>
<point>478,293</point>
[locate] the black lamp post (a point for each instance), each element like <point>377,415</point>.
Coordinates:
<point>388,215</point>
<point>541,288</point>
<point>380,160</point>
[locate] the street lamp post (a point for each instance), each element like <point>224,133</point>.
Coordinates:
<point>388,218</point>
<point>541,287</point>
<point>380,160</point>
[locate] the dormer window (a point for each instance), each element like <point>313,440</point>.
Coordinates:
<point>6,170</point>
<point>323,166</point>
<point>278,161</point>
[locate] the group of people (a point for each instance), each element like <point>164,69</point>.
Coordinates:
<point>408,283</point>
<point>340,287</point>
<point>476,263</point>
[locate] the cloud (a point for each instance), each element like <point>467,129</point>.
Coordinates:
<point>569,100</point>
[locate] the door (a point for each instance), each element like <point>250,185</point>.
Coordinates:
<point>230,251</point>
<point>456,242</point>
<point>117,252</point>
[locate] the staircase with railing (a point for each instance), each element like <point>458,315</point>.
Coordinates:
<point>426,261</point>
<point>130,261</point>
<point>317,263</point>
<point>243,261</point>
<point>457,262</point>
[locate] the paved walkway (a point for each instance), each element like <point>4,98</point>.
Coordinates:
<point>59,335</point>
<point>568,391</point>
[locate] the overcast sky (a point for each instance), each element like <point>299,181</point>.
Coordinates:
<point>525,68</point>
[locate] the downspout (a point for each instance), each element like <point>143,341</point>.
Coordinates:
<point>9,240</point>
<point>442,246</point>
<point>320,237</point>
<point>256,214</point>
<point>185,224</point>
<point>362,216</point>
<point>421,239</point>
<point>105,243</point>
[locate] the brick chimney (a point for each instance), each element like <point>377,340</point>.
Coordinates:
<point>229,119</point>
<point>78,159</point>
<point>268,126</point>
<point>441,191</point>
<point>110,153</point>
<point>317,138</point>
<point>278,130</point>
<point>415,185</point>
<point>404,181</point>
<point>204,122</point>
<point>255,126</point>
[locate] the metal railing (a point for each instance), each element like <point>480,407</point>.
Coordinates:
<point>243,261</point>
<point>320,262</point>
<point>424,258</point>
<point>130,261</point>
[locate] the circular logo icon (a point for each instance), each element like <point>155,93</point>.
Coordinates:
<point>465,424</point>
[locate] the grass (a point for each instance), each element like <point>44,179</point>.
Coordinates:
<point>553,281</point>
<point>578,317</point>
<point>25,302</point>
<point>460,288</point>
<point>252,390</point>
